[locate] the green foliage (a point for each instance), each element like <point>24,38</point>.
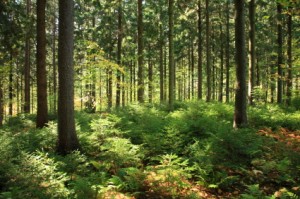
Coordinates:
<point>146,151</point>
<point>236,147</point>
<point>120,152</point>
<point>296,102</point>
<point>273,116</point>
<point>37,176</point>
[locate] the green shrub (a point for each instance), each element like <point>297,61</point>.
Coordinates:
<point>37,176</point>
<point>120,153</point>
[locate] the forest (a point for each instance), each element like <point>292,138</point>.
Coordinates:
<point>158,99</point>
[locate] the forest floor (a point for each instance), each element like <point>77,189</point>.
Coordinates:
<point>141,152</point>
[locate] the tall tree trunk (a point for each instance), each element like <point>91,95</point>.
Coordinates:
<point>119,54</point>
<point>123,91</point>
<point>67,138</point>
<point>240,112</point>
<point>222,63</point>
<point>1,103</point>
<point>208,52</point>
<point>193,67</point>
<point>161,63</point>
<point>227,54</point>
<point>131,81</point>
<point>10,88</point>
<point>252,53</point>
<point>140,53</point>
<point>42,106</point>
<point>27,65</point>
<point>54,64</point>
<point>171,56</point>
<point>150,76</point>
<point>289,60</point>
<point>279,54</point>
<point>200,76</point>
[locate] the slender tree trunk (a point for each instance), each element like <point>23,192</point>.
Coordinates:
<point>140,53</point>
<point>27,66</point>
<point>193,67</point>
<point>161,63</point>
<point>131,81</point>
<point>42,108</point>
<point>289,60</point>
<point>257,73</point>
<point>1,103</point>
<point>165,75</point>
<point>227,54</point>
<point>208,53</point>
<point>10,89</point>
<point>240,112</point>
<point>200,76</point>
<point>221,64</point>
<point>134,82</point>
<point>150,76</point>
<point>67,138</point>
<point>279,54</point>
<point>54,64</point>
<point>123,90</point>
<point>251,51</point>
<point>171,57</point>
<point>119,54</point>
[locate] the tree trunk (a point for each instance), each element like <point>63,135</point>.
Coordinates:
<point>227,54</point>
<point>171,57</point>
<point>289,55</point>
<point>119,54</point>
<point>193,67</point>
<point>150,85</point>
<point>27,65</point>
<point>222,64</point>
<point>251,51</point>
<point>140,53</point>
<point>131,81</point>
<point>10,89</point>
<point>42,106</point>
<point>161,63</point>
<point>279,54</point>
<point>1,103</point>
<point>67,138</point>
<point>208,53</point>
<point>240,112</point>
<point>54,64</point>
<point>200,76</point>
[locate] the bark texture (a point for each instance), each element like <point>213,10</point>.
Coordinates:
<point>240,111</point>
<point>67,138</point>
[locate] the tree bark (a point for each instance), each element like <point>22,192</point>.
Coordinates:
<point>42,106</point>
<point>119,54</point>
<point>1,104</point>
<point>208,53</point>
<point>171,56</point>
<point>252,54</point>
<point>289,60</point>
<point>140,92</point>
<point>150,85</point>
<point>227,54</point>
<point>240,112</point>
<point>200,75</point>
<point>10,88</point>
<point>221,64</point>
<point>27,66</point>
<point>279,54</point>
<point>54,65</point>
<point>161,62</point>
<point>67,138</point>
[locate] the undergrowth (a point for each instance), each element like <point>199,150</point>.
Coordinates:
<point>148,152</point>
